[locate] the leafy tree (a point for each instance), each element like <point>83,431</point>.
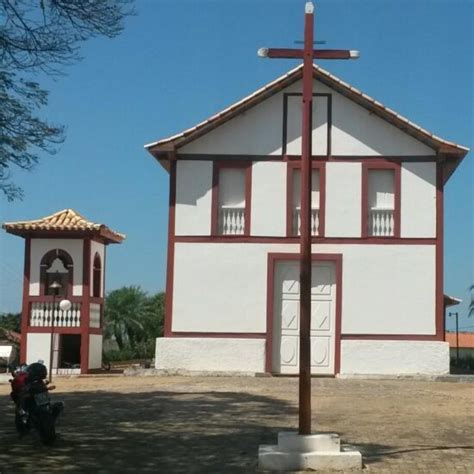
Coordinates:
<point>155,316</point>
<point>470,310</point>
<point>125,315</point>
<point>41,36</point>
<point>10,321</point>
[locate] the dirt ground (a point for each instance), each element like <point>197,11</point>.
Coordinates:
<point>214,424</point>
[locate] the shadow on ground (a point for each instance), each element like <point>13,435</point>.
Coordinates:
<point>149,432</point>
<point>220,431</point>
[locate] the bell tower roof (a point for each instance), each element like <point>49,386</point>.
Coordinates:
<point>65,222</point>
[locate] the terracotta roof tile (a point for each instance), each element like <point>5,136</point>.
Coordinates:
<point>186,136</point>
<point>466,339</point>
<point>65,220</point>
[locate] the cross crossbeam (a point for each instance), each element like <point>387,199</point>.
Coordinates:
<point>294,53</point>
<point>307,54</point>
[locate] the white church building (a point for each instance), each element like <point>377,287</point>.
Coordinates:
<point>232,286</point>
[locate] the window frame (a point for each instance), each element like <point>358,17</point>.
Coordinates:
<point>296,165</point>
<point>97,276</point>
<point>217,167</point>
<point>366,168</point>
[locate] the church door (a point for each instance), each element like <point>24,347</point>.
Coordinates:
<point>285,357</point>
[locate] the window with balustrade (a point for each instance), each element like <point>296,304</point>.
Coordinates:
<point>381,214</point>
<point>231,199</point>
<point>294,198</point>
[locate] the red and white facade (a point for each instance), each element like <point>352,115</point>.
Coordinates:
<point>377,223</point>
<point>68,249</point>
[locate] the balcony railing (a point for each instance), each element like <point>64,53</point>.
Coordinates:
<point>231,220</point>
<point>381,222</point>
<point>42,314</point>
<point>297,221</point>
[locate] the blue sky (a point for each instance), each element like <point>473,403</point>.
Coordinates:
<point>179,62</point>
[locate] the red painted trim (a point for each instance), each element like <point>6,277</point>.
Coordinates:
<point>102,308</point>
<point>171,244</point>
<point>215,200</point>
<point>285,157</point>
<point>234,239</point>
<point>66,330</point>
<point>63,234</point>
<point>25,310</point>
<point>291,167</point>
<point>248,199</point>
<point>380,165</point>
<point>218,165</point>
<point>85,307</point>
<point>51,298</point>
<point>439,253</point>
<point>222,335</point>
<point>272,259</point>
<point>390,337</point>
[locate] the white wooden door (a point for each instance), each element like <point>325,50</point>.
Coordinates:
<point>286,316</point>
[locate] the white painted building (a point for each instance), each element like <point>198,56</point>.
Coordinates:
<point>69,251</point>
<point>377,223</point>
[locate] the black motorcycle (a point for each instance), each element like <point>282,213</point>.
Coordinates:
<point>34,409</point>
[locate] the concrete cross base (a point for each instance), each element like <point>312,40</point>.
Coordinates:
<point>296,452</point>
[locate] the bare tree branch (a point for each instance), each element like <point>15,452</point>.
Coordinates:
<point>41,36</point>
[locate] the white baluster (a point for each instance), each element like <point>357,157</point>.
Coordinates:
<point>73,314</point>
<point>226,222</point>
<point>377,224</point>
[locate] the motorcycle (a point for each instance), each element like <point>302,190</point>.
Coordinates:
<point>33,406</point>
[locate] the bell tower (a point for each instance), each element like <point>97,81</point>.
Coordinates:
<point>63,290</point>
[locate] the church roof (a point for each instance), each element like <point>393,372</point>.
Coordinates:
<point>176,141</point>
<point>65,221</point>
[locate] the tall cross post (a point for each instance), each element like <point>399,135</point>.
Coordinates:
<point>308,54</point>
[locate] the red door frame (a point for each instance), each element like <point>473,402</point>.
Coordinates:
<point>273,258</point>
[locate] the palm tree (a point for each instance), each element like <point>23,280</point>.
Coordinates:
<point>125,314</point>
<point>470,309</point>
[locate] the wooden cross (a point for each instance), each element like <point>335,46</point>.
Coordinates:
<point>308,54</point>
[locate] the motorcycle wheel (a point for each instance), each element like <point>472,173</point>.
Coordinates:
<point>21,427</point>
<point>47,428</point>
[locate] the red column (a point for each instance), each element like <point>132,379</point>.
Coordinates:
<point>25,311</point>
<point>85,306</point>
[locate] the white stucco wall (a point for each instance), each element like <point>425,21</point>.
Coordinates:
<point>343,199</point>
<point>210,354</point>
<point>387,289</point>
<point>193,198</point>
<point>39,247</point>
<point>394,357</point>
<point>100,249</point>
<point>95,351</point>
<point>355,130</point>
<point>38,348</point>
<point>418,200</point>
<point>268,210</point>
<point>294,125</point>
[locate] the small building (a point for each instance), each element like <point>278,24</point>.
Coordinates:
<point>65,258</point>
<point>378,182</point>
<point>9,341</point>
<point>464,341</point>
